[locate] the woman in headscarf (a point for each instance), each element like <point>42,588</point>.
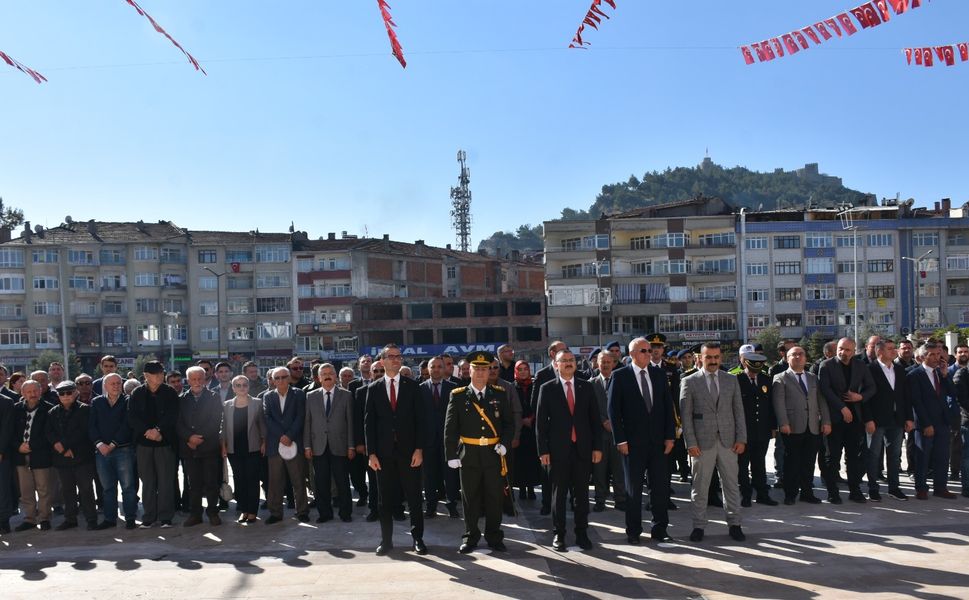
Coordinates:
<point>526,455</point>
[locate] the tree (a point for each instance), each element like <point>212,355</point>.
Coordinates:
<point>10,217</point>
<point>768,339</point>
<point>42,361</point>
<point>140,361</point>
<point>814,346</point>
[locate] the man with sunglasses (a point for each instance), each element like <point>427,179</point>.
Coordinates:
<point>285,412</point>
<point>297,378</point>
<point>85,388</point>
<point>73,456</point>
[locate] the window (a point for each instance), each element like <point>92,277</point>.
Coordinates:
<point>173,280</point>
<point>637,243</point>
<point>670,240</point>
<point>115,336</point>
<point>787,294</point>
<point>454,311</point>
<point>642,268</point>
<point>241,333</point>
<point>881,266</point>
<point>307,317</point>
<point>756,243</point>
<point>304,265</point>
<point>959,262</point>
<point>848,266</point>
<point>452,272</point>
<point>879,239</point>
<point>677,323</point>
<point>715,265</point>
<point>958,287</point>
<point>787,268</point>
<point>595,242</point>
<point>421,311</point>
<point>84,308</point>
<point>820,265</point>
<point>207,257</point>
<point>272,279</point>
<point>113,282</point>
<point>79,257</point>
<point>238,306</point>
<point>882,318</point>
<point>818,240</point>
<point>757,296</point>
<point>929,316</point>
<point>209,334</point>
<point>147,253</point>
<point>11,310</point>
<point>12,257</point>
<point>47,308</point>
<point>172,305</point>
<point>884,291</point>
<point>927,290</point>
<point>570,244</point>
<point>820,292</point>
<point>845,241</point>
<point>787,242</point>
<point>148,334</point>
<point>172,255</point>
<point>820,318</point>
<point>208,308</point>
<point>178,332</point>
<point>679,294</point>
<point>208,283</point>
<point>146,279</point>
<point>14,337</point>
<point>340,290</point>
<point>44,256</point>
<point>272,330</point>
<point>788,320</point>
<point>243,282</point>
<point>112,256</point>
<point>929,264</point>
<point>113,307</point>
<point>45,283</point>
<point>957,238</point>
<point>727,238</point>
<point>272,254</point>
<point>238,256</point>
<point>305,291</point>
<point>758,321</point>
<point>11,283</point>
<point>922,238</point>
<point>81,282</point>
<point>846,293</point>
<point>756,268</point>
<point>271,305</point>
<point>714,293</point>
<point>146,305</point>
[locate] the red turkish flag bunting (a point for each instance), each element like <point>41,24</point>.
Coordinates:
<point>768,51</point>
<point>882,6</point>
<point>162,31</point>
<point>964,51</point>
<point>812,34</point>
<point>918,55</point>
<point>759,51</point>
<point>833,24</point>
<point>823,30</point>
<point>927,60</point>
<point>899,6</point>
<point>946,55</point>
<point>800,39</point>
<point>778,46</point>
<point>866,15</point>
<point>908,55</point>
<point>790,44</point>
<point>37,77</point>
<point>592,18</point>
<point>847,24</point>
<point>389,24</point>
<point>916,3</point>
<point>748,56</point>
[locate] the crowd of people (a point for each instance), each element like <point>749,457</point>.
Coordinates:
<point>480,432</point>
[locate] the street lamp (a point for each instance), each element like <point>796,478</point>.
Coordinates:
<point>917,321</point>
<point>847,224</point>
<point>171,335</point>
<point>218,306</point>
<point>599,297</point>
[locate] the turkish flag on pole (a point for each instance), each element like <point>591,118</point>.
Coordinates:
<point>823,30</point>
<point>908,55</point>
<point>882,6</point>
<point>927,60</point>
<point>800,39</point>
<point>790,44</point>
<point>899,6</point>
<point>748,57</point>
<point>847,23</point>
<point>964,51</point>
<point>778,47</point>
<point>811,34</point>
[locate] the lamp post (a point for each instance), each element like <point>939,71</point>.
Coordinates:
<point>218,307</point>
<point>171,337</point>
<point>847,224</point>
<point>917,321</point>
<point>599,298</point>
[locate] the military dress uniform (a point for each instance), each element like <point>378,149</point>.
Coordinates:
<point>759,414</point>
<point>468,436</point>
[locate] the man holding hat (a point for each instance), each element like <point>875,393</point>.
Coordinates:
<point>755,392</point>
<point>478,430</point>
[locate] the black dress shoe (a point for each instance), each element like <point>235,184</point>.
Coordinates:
<point>498,546</point>
<point>658,534</point>
<point>810,499</point>
<point>766,499</point>
<point>303,518</point>
<point>696,535</point>
<point>466,548</point>
<point>362,501</point>
<point>745,502</point>
<point>372,516</point>
<point>66,525</point>
<point>788,501</point>
<point>25,526</point>
<point>5,527</point>
<point>273,519</point>
<point>857,496</point>
<point>419,547</point>
<point>399,516</point>
<point>192,521</point>
<point>737,534</point>
<point>583,542</point>
<point>558,543</point>
<point>671,506</point>
<point>545,511</point>
<point>384,549</point>
<point>106,525</point>
<point>633,539</point>
<point>430,513</point>
<point>322,519</point>
<point>130,524</point>
<point>45,525</point>
<point>599,507</point>
<point>346,518</point>
<point>835,499</point>
<point>452,512</point>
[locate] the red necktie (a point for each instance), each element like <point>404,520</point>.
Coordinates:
<point>571,399</point>
<point>393,397</point>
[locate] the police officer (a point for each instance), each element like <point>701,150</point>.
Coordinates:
<point>755,391</point>
<point>478,430</point>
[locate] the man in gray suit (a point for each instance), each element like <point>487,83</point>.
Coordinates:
<point>802,416</point>
<point>715,432</point>
<point>611,462</point>
<point>328,442</point>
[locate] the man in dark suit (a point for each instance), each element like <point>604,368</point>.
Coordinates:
<point>641,412</point>
<point>395,428</point>
<point>569,431</point>
<point>199,433</point>
<point>802,417</point>
<point>929,389</point>
<point>886,415</point>
<point>439,481</point>
<point>328,442</point>
<point>845,384</point>
<point>358,466</point>
<point>611,463</point>
<point>285,412</point>
<point>543,376</point>
<point>755,393</point>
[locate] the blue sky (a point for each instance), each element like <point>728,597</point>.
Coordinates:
<point>306,117</point>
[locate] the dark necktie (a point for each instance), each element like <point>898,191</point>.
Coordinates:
<point>30,418</point>
<point>571,399</point>
<point>800,379</point>
<point>393,397</point>
<point>327,404</point>
<point>437,395</point>
<point>938,384</point>
<point>647,397</point>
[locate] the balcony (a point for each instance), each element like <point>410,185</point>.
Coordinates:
<point>173,260</point>
<point>114,288</point>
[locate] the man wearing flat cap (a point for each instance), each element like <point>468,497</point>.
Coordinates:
<point>478,430</point>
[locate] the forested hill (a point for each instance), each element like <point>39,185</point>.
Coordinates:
<point>738,186</point>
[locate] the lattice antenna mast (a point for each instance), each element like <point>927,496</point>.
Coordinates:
<point>461,205</point>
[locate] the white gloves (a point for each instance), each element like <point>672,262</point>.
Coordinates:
<point>454,463</point>
<point>501,450</point>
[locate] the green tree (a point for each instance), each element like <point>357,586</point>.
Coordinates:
<point>43,360</point>
<point>814,345</point>
<point>10,217</point>
<point>140,361</point>
<point>768,339</point>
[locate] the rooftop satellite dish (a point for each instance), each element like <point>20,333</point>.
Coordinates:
<point>68,219</point>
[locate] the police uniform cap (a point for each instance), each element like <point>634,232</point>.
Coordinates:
<point>656,339</point>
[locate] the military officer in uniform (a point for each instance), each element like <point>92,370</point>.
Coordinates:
<point>755,392</point>
<point>478,430</point>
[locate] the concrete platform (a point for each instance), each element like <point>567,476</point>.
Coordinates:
<point>887,550</point>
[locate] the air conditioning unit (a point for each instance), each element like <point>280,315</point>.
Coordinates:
<point>606,308</point>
